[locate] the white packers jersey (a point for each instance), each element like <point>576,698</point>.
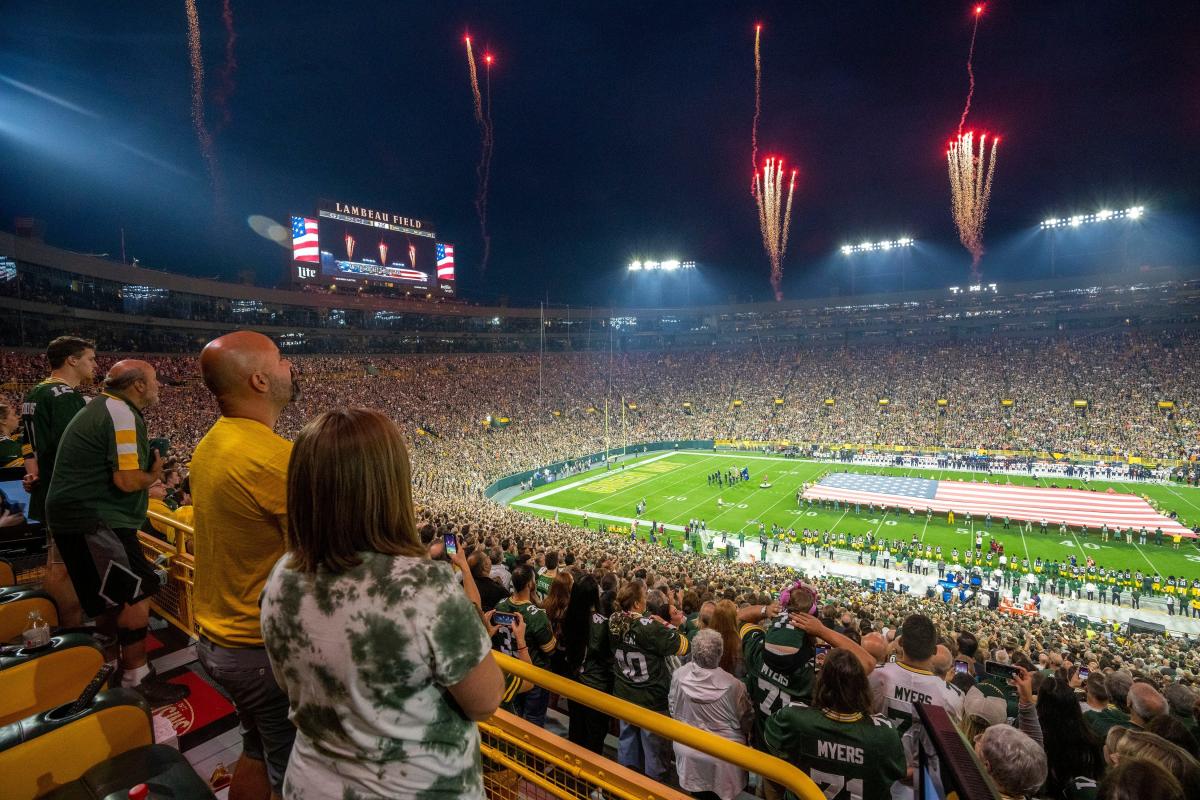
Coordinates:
<point>897,688</point>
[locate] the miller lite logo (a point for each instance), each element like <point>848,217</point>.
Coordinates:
<point>305,272</point>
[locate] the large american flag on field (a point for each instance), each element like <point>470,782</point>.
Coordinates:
<point>304,240</point>
<point>1075,507</point>
<point>445,262</point>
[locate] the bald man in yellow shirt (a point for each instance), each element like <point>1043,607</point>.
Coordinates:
<point>239,493</point>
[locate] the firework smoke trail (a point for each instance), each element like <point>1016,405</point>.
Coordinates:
<point>228,69</point>
<point>481,170</point>
<point>757,104</point>
<point>774,216</point>
<point>971,176</point>
<point>970,70</point>
<point>202,134</point>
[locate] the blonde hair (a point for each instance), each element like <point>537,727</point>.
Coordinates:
<point>1130,744</point>
<point>349,491</point>
<point>724,621</point>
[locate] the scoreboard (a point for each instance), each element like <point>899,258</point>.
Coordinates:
<point>355,246</point>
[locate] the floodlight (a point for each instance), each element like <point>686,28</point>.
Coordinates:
<point>1103,215</point>
<point>865,247</point>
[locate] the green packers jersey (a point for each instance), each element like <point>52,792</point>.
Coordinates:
<point>10,453</point>
<point>774,679</point>
<point>544,582</point>
<point>1102,721</point>
<point>641,646</point>
<point>47,410</point>
<point>848,756</point>
<point>597,670</point>
<point>107,436</point>
<point>539,638</point>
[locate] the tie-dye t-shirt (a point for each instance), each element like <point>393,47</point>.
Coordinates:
<point>365,658</point>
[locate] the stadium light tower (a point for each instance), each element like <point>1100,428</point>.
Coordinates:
<point>670,265</point>
<point>885,246</point>
<point>1052,224</point>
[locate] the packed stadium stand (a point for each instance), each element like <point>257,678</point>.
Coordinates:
<point>631,668</point>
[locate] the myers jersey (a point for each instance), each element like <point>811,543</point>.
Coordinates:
<point>775,679</point>
<point>641,646</point>
<point>47,409</point>
<point>897,687</point>
<point>848,756</point>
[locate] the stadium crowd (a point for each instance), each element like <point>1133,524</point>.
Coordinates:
<point>381,664</point>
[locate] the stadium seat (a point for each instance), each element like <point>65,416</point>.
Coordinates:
<point>37,680</point>
<point>16,604</point>
<point>112,749</point>
<point>8,576</point>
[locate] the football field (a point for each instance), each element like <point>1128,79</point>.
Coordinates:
<point>675,488</point>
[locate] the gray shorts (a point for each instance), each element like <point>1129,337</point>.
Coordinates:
<point>244,673</point>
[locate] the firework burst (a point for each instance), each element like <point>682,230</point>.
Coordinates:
<point>205,138</point>
<point>483,120</point>
<point>970,70</point>
<point>228,73</point>
<point>774,216</point>
<point>971,173</point>
<point>757,104</point>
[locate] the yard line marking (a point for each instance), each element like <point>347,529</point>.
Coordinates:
<point>686,475</point>
<point>1181,497</point>
<point>588,479</point>
<point>1157,571</point>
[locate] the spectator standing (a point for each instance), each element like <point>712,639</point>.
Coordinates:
<point>836,740</point>
<point>706,696</point>
<point>383,656</point>
<point>641,646</point>
<point>47,410</point>
<point>1014,761</point>
<point>1145,703</point>
<point>96,503</point>
<point>239,488</point>
<point>490,590</point>
<point>588,659</point>
<point>898,685</point>
<point>1101,714</point>
<point>539,637</point>
<point>11,450</point>
<point>1074,753</point>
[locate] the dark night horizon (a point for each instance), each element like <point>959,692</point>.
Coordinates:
<point>621,131</point>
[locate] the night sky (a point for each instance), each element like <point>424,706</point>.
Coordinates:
<point>622,130</point>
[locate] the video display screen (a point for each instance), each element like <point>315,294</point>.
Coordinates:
<point>376,252</point>
<point>354,245</point>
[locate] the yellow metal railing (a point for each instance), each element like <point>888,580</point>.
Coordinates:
<point>522,760</point>
<point>749,759</point>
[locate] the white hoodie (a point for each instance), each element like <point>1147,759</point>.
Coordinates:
<point>715,701</point>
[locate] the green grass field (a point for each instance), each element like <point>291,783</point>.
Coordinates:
<point>676,490</point>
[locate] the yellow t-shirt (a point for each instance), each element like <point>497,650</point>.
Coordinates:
<point>239,492</point>
<point>162,508</point>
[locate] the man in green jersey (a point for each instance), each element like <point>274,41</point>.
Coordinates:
<point>643,636</point>
<point>1101,715</point>
<point>12,452</point>
<point>96,503</point>
<point>539,637</point>
<point>849,753</point>
<point>47,409</point>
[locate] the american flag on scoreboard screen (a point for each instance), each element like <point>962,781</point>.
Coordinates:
<point>1076,507</point>
<point>304,240</point>
<point>445,262</point>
